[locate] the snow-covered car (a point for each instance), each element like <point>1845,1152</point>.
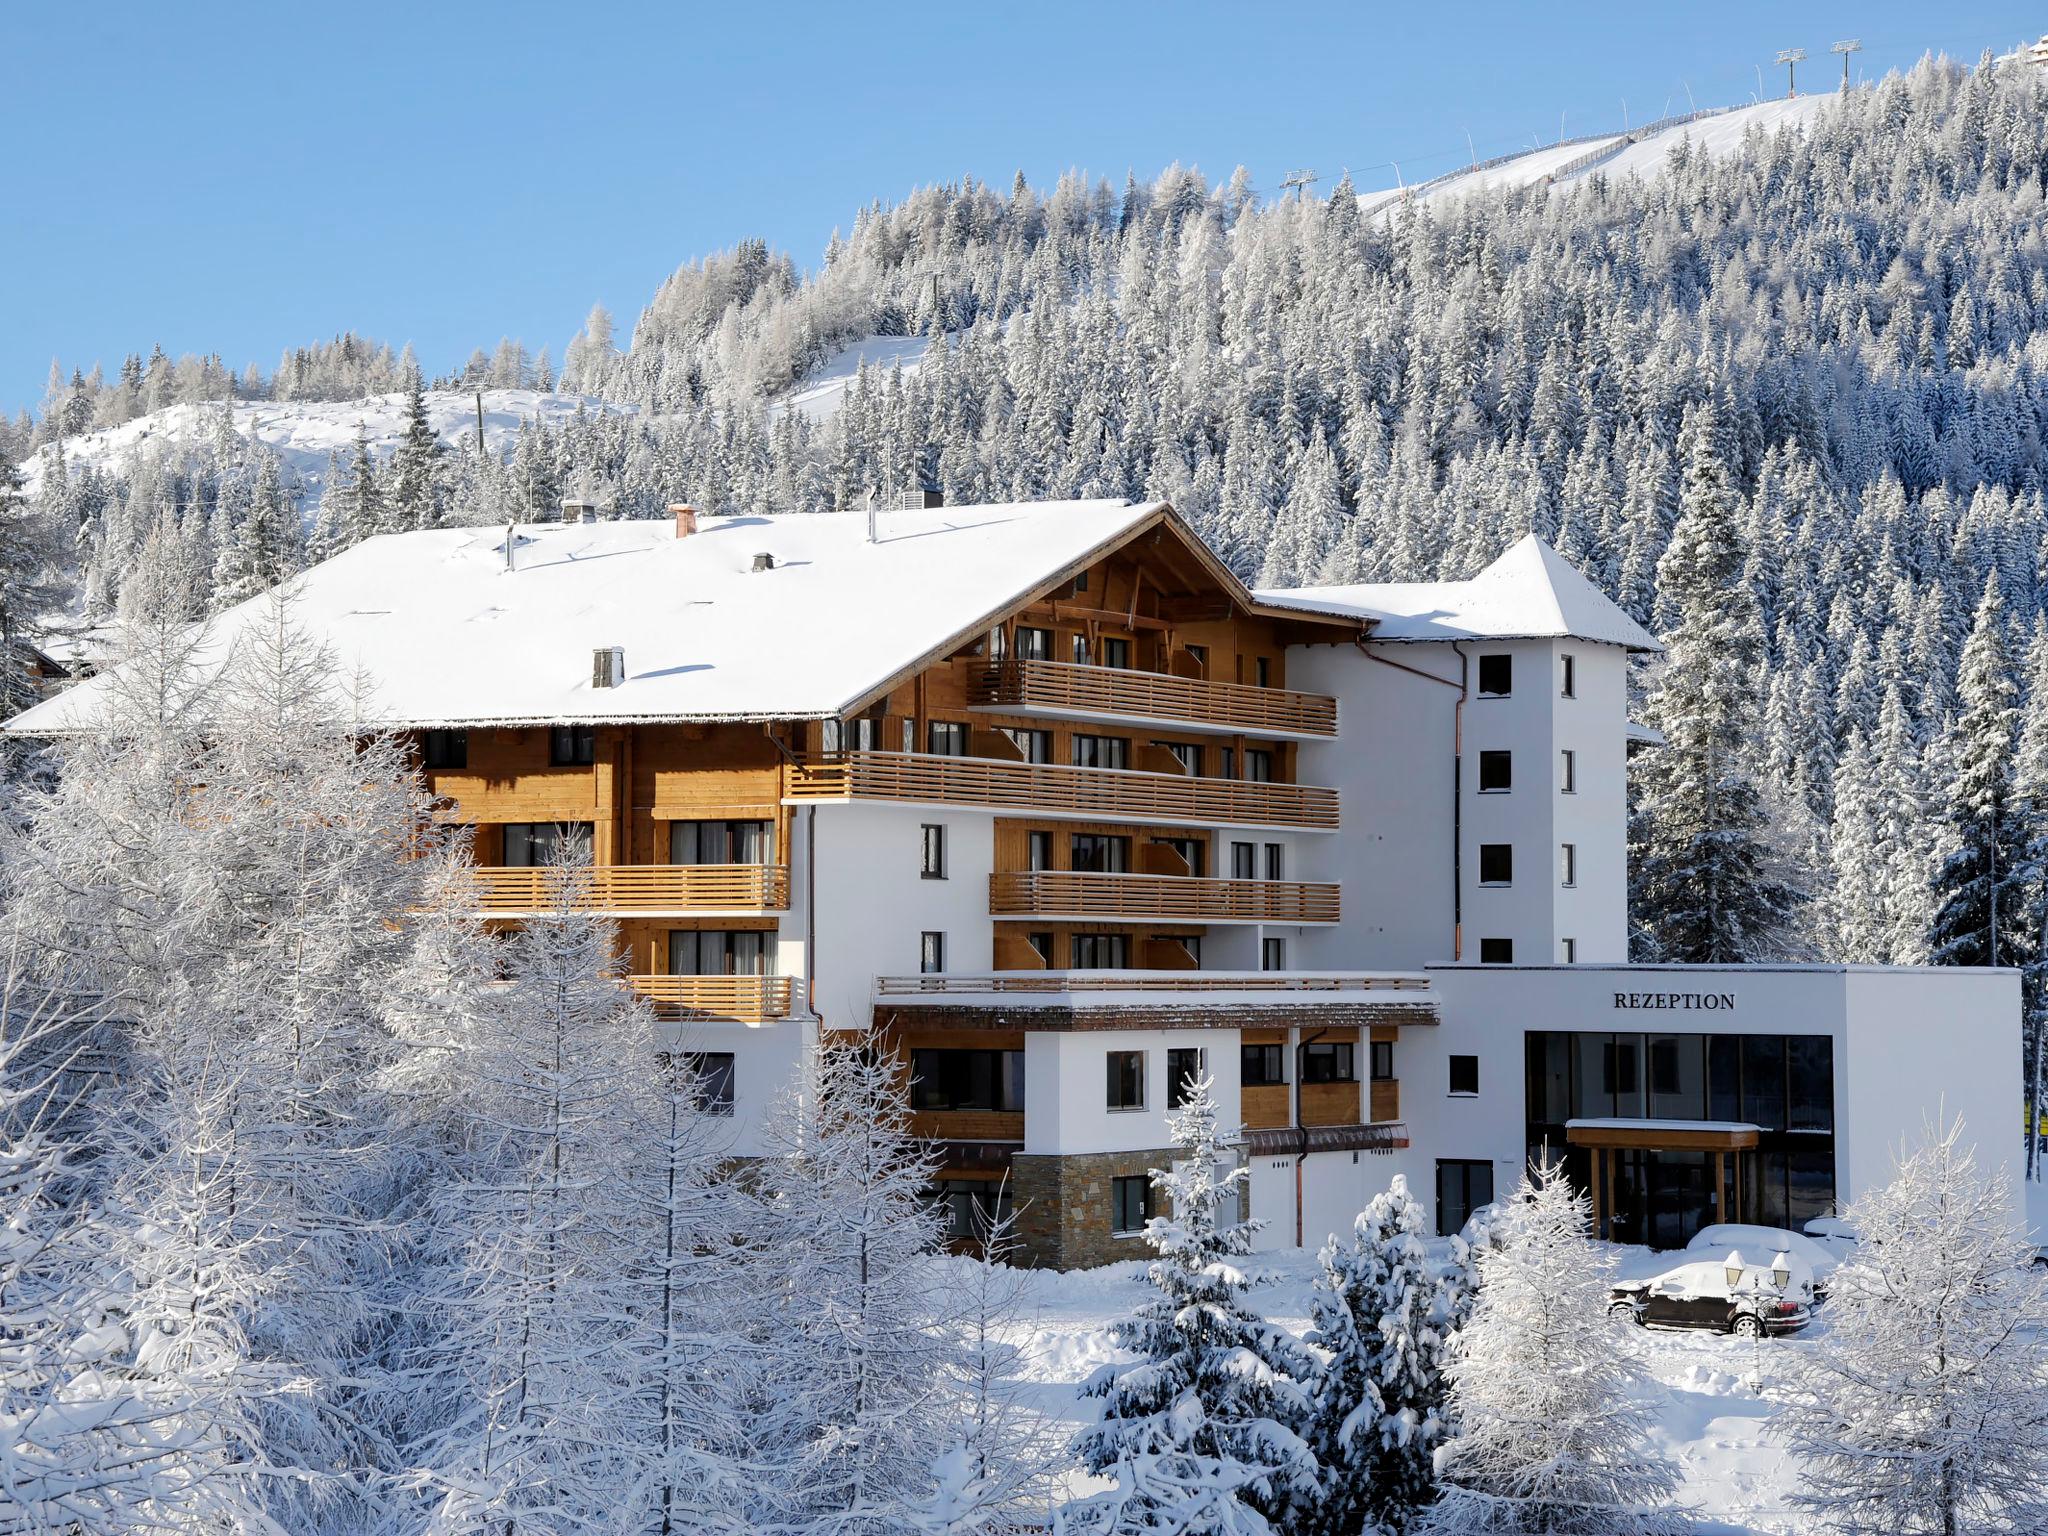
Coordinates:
<point>1810,1261</point>
<point>1833,1234</point>
<point>1698,1295</point>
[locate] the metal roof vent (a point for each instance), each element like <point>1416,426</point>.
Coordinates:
<point>577,510</point>
<point>764,561</point>
<point>608,666</point>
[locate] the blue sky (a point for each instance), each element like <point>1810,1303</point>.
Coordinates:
<point>241,177</point>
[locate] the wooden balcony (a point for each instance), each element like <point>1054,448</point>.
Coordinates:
<point>1416,987</point>
<point>1173,898</point>
<point>1051,789</point>
<point>1118,693</point>
<point>731,999</point>
<point>1386,1099</point>
<point>639,888</point>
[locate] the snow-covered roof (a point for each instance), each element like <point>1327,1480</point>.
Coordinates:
<point>447,635</point>
<point>1530,593</point>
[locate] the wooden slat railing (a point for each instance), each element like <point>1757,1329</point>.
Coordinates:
<point>1106,794</point>
<point>639,888</point>
<point>1038,893</point>
<point>1018,683</point>
<point>743,999</point>
<point>1140,981</point>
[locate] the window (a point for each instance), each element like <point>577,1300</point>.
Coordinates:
<point>1190,850</point>
<point>1244,861</point>
<point>1186,753</point>
<point>1200,655</point>
<point>832,735</point>
<point>445,749</point>
<point>1383,1061</point>
<point>931,953</point>
<point>1496,951</point>
<point>865,733</point>
<point>534,844</point>
<point>1183,1069</point>
<point>1034,644</point>
<point>1130,1205</point>
<point>1568,951</point>
<point>1126,1080</point>
<point>1100,951</point>
<point>1464,1074</point>
<point>1116,653</point>
<point>1101,854</point>
<point>718,951</point>
<point>1258,765</point>
<point>1102,752</point>
<point>1461,1188</point>
<point>1567,676</point>
<point>1039,846</point>
<point>1496,863</point>
<point>1262,1066</point>
<point>1276,860</point>
<point>572,746</point>
<point>1262,672</point>
<point>721,842</point>
<point>1080,650</point>
<point>974,1079</point>
<point>971,1208</point>
<point>932,865</point>
<point>1568,772</point>
<point>1191,942</point>
<point>1496,676</point>
<point>1496,772</point>
<point>1226,762</point>
<point>1273,955</point>
<point>1041,943</point>
<point>1081,582</point>
<point>711,1072</point>
<point>1329,1061</point>
<point>946,738</point>
<point>1568,864</point>
<point>1032,746</point>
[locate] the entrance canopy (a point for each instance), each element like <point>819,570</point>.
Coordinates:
<point>1663,1135</point>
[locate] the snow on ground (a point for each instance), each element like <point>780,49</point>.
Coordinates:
<point>304,432</point>
<point>822,389</point>
<point>1710,1419</point>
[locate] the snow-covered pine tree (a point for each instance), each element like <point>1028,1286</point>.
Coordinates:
<point>851,1399</point>
<point>414,492</point>
<point>266,545</point>
<point>1550,1436</point>
<point>2030,797</point>
<point>1382,1310</point>
<point>1920,1409</point>
<point>1982,884</point>
<point>362,505</point>
<point>1702,884</point>
<point>1199,1433</point>
<point>30,547</point>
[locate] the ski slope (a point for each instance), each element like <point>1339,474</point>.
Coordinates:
<point>825,386</point>
<point>302,433</point>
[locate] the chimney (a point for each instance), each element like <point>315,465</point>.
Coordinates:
<point>608,666</point>
<point>686,518</point>
<point>764,561</point>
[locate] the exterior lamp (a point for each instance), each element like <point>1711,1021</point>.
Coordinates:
<point>1781,1270</point>
<point>1733,1269</point>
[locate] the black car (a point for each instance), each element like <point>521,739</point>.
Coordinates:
<point>1698,1295</point>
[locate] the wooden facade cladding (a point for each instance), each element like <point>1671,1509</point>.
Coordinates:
<point>1129,795</point>
<point>1041,893</point>
<point>639,888</point>
<point>735,999</point>
<point>1121,693</point>
<point>1386,1099</point>
<point>1081,982</point>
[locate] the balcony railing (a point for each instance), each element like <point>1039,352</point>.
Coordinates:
<point>1041,982</point>
<point>1104,794</point>
<point>738,999</point>
<point>639,888</point>
<point>1022,684</point>
<point>1176,898</point>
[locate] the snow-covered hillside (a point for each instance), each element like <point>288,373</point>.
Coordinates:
<point>304,432</point>
<point>1641,152</point>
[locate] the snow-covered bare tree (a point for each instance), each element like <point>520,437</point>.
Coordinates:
<point>1920,1410</point>
<point>1551,1435</point>
<point>1199,1432</point>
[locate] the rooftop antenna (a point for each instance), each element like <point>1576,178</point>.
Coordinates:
<point>1845,47</point>
<point>873,493</point>
<point>479,424</point>
<point>1792,58</point>
<point>510,535</point>
<point>1298,183</point>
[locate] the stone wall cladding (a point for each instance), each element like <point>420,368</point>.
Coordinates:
<point>1063,1206</point>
